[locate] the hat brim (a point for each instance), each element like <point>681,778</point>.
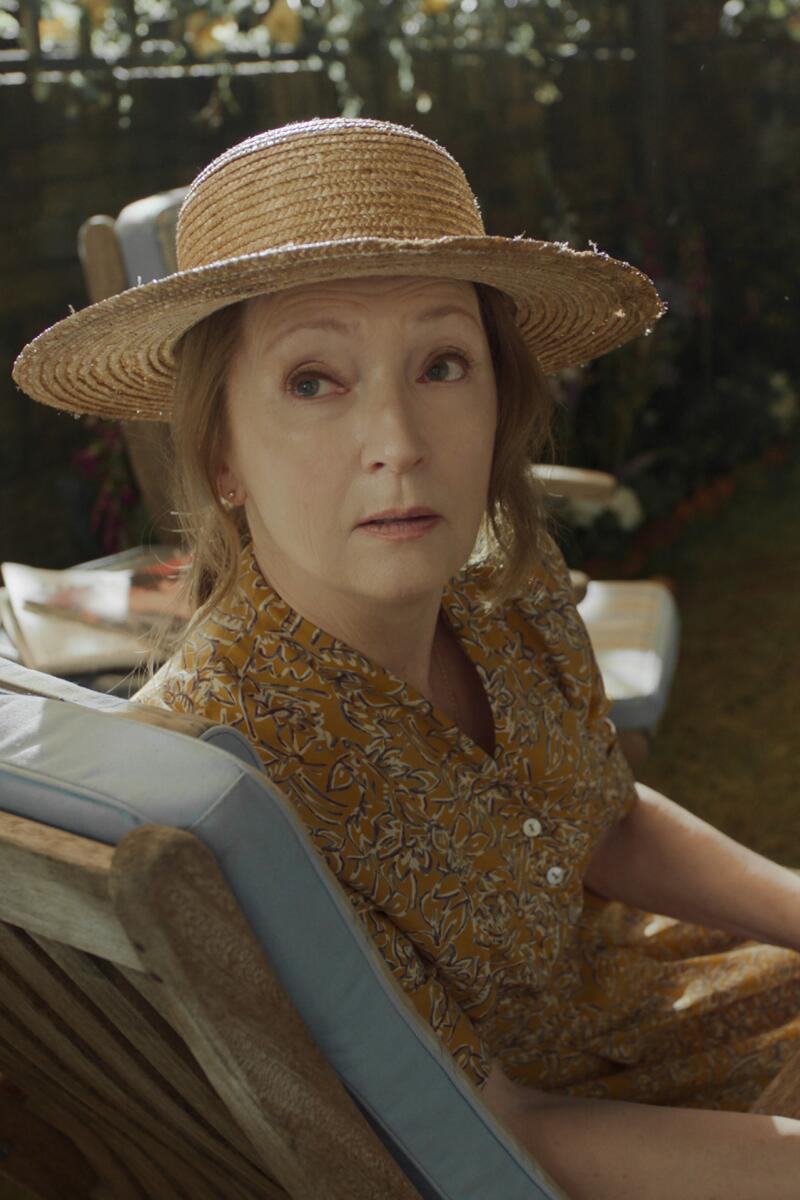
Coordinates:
<point>115,358</point>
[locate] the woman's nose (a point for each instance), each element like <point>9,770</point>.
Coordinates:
<point>392,429</point>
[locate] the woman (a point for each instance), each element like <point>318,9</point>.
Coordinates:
<point>353,373</point>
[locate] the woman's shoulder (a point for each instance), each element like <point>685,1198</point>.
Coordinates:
<point>548,603</point>
<point>549,570</point>
<point>539,623</point>
<point>199,670</point>
<point>173,686</point>
<point>206,661</point>
<point>547,586</point>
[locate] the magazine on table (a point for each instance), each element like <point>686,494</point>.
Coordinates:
<point>95,616</point>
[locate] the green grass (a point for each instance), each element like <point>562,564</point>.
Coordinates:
<point>728,748</point>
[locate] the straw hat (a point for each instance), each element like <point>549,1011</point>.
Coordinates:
<point>326,199</point>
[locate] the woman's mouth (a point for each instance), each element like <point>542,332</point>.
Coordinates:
<point>410,527</point>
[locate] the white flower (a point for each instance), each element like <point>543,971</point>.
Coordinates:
<point>625,503</point>
<point>783,406</point>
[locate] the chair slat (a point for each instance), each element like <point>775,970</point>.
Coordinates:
<point>144,1169</point>
<point>56,884</point>
<point>159,1175</point>
<point>88,1046</point>
<point>36,1155</point>
<point>28,1054</point>
<point>138,1018</point>
<point>57,1099</point>
<point>115,1180</point>
<point>125,1168</point>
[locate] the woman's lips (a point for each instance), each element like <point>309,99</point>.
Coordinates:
<point>412,527</point>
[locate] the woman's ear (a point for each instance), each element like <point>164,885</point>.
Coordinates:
<point>229,486</point>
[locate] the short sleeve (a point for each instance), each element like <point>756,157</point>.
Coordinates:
<point>617,782</point>
<point>429,996</point>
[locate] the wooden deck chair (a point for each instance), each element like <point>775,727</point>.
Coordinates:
<point>148,1048</point>
<point>633,624</point>
<point>190,1008</point>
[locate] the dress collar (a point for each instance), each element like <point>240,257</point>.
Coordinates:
<point>257,611</point>
<point>277,650</point>
<point>274,616</point>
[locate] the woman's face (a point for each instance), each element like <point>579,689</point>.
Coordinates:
<point>347,398</point>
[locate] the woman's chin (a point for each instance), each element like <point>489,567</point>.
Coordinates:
<point>394,582</point>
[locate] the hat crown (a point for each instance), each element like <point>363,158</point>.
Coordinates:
<point>324,180</point>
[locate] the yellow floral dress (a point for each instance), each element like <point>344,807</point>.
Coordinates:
<point>467,869</point>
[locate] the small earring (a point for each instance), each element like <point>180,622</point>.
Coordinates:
<point>231,493</point>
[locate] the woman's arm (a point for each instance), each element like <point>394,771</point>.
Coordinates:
<point>613,1150</point>
<point>663,859</point>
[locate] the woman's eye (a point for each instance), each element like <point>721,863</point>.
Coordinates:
<point>306,379</point>
<point>305,385</point>
<point>443,360</point>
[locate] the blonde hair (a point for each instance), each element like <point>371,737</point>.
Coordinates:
<point>509,536</point>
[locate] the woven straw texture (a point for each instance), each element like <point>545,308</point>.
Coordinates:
<point>327,199</point>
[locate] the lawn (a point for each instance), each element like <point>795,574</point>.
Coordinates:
<point>729,745</point>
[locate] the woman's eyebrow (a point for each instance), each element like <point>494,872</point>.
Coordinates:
<point>333,324</point>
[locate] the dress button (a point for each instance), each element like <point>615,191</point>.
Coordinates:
<point>555,875</point>
<point>531,827</point>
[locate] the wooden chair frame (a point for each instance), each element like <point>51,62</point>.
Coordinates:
<point>147,442</point>
<point>141,1021</point>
